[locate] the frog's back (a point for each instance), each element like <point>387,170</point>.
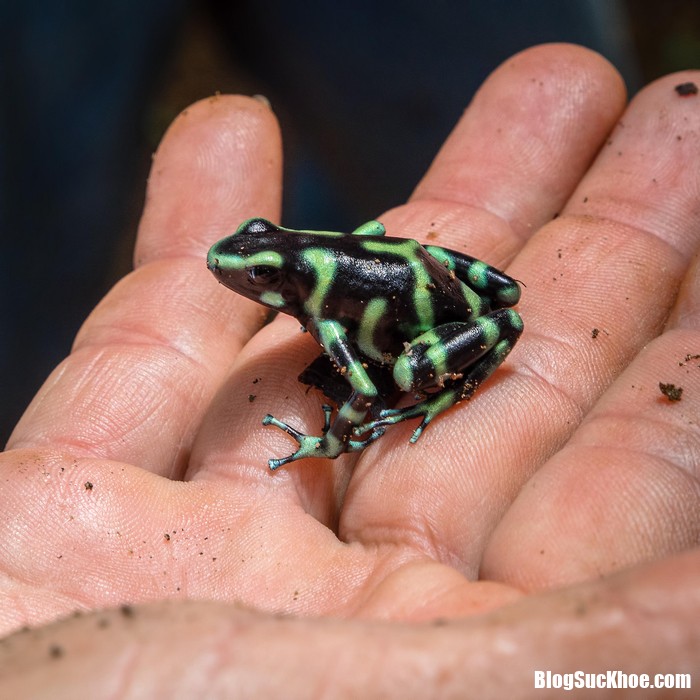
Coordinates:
<point>385,264</point>
<point>385,291</point>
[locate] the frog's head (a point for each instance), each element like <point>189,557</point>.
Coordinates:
<point>249,262</point>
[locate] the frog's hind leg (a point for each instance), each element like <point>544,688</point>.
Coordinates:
<point>461,390</point>
<point>500,289</point>
<point>456,356</point>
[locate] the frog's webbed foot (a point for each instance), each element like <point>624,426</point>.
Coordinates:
<point>309,445</point>
<point>374,434</point>
<point>319,446</point>
<point>428,409</point>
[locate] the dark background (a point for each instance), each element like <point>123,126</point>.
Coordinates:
<point>365,96</point>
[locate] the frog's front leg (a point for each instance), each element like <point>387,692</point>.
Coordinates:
<point>455,357</point>
<point>337,436</point>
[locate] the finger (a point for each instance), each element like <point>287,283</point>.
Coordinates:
<point>149,358</point>
<point>626,488</point>
<point>517,154</point>
<point>454,485</point>
<point>219,160</point>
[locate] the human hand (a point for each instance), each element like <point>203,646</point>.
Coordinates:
<point>545,524</point>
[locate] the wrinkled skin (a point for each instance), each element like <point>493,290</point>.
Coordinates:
<point>550,523</point>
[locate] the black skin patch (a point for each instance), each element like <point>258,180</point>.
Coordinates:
<point>322,374</point>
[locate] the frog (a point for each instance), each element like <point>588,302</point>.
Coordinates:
<point>392,316</point>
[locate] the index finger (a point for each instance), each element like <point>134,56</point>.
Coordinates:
<point>149,358</point>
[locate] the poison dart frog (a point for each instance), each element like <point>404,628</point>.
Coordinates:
<point>391,315</point>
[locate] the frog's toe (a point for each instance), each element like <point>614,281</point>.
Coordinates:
<point>374,434</point>
<point>371,427</point>
<point>271,420</point>
<point>388,416</point>
<point>419,430</point>
<point>277,463</point>
<point>391,416</point>
<point>327,410</point>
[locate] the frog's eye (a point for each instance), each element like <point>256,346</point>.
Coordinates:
<point>263,275</point>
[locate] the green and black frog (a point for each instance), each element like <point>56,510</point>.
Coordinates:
<point>391,315</point>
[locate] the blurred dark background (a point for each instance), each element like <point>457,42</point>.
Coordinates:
<point>365,91</point>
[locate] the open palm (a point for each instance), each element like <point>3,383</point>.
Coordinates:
<point>139,473</point>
